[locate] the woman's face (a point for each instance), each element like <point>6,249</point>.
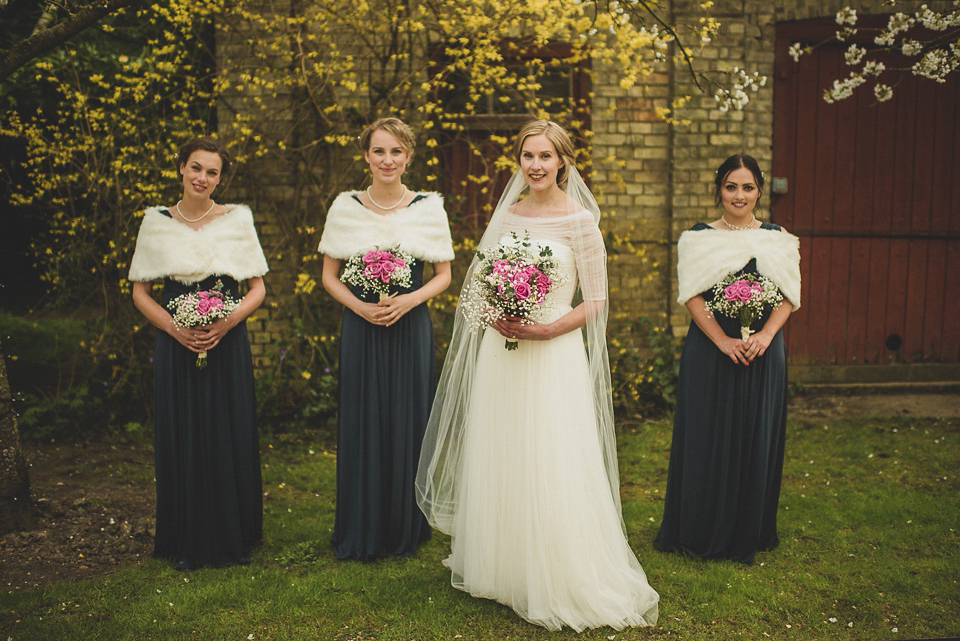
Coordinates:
<point>386,157</point>
<point>739,193</point>
<point>201,173</point>
<point>539,162</point>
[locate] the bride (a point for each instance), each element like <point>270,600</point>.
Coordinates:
<point>519,461</point>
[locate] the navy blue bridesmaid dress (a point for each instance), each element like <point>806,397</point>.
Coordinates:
<point>387,385</point>
<point>209,494</point>
<point>726,459</point>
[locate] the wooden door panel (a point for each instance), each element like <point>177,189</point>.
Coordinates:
<point>874,195</point>
<point>875,339</point>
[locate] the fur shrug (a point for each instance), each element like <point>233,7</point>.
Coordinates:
<point>420,229</point>
<point>227,246</point>
<point>707,256</point>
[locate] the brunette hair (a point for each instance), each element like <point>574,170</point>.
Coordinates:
<point>555,134</point>
<point>393,126</point>
<point>205,144</point>
<point>732,163</point>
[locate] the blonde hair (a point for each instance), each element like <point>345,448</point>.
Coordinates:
<point>556,135</point>
<point>393,126</point>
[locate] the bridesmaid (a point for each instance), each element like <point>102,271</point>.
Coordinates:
<point>209,496</point>
<point>726,460</point>
<point>387,368</point>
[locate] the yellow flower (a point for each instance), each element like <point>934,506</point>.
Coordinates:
<point>306,375</point>
<point>305,284</point>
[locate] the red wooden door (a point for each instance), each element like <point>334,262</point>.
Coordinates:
<point>873,192</point>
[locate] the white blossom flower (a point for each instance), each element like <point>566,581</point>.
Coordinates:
<point>847,16</point>
<point>737,97</point>
<point>855,54</point>
<point>937,64</point>
<point>936,21</point>
<point>899,22</point>
<point>883,94</point>
<point>911,47</point>
<point>873,68</point>
<point>846,33</point>
<point>843,89</point>
<point>885,39</point>
<point>795,50</point>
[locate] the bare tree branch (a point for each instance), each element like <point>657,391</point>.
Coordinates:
<point>44,40</point>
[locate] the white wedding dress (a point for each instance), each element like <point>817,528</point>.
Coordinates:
<point>536,526</point>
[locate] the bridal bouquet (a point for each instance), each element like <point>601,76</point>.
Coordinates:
<point>202,308</point>
<point>744,297</point>
<point>376,271</point>
<point>512,279</point>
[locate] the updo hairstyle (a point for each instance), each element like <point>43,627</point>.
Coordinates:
<point>205,144</point>
<point>393,126</point>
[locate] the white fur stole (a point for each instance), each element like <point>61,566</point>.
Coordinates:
<point>420,229</point>
<point>227,246</point>
<point>707,256</point>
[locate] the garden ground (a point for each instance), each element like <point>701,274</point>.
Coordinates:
<point>869,524</point>
<point>90,524</point>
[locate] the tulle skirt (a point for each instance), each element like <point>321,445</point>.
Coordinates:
<point>536,526</point>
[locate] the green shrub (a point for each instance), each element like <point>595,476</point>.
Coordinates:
<point>644,376</point>
<point>77,378</point>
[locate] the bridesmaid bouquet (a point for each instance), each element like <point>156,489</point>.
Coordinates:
<point>512,279</point>
<point>744,296</point>
<point>376,271</point>
<point>202,308</point>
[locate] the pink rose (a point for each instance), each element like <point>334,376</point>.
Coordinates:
<point>399,262</point>
<point>216,303</point>
<point>372,257</point>
<point>746,290</point>
<point>373,271</point>
<point>203,305</point>
<point>522,290</point>
<point>740,290</point>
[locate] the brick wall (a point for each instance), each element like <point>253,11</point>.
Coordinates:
<point>653,179</point>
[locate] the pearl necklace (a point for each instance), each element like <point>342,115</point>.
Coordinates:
<point>393,206</point>
<point>195,220</point>
<point>753,219</point>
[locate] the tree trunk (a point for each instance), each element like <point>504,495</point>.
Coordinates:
<point>16,510</point>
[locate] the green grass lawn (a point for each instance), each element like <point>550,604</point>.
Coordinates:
<point>869,521</point>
